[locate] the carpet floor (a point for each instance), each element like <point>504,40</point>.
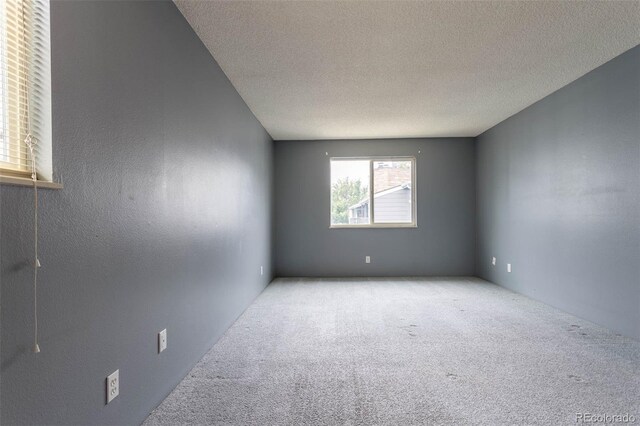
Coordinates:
<point>406,351</point>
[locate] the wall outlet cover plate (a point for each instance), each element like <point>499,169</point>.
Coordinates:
<point>162,340</point>
<point>113,385</point>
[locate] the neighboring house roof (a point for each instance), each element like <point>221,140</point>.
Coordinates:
<point>390,177</point>
<point>364,201</point>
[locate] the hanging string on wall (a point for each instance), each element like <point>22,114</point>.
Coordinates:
<point>31,142</point>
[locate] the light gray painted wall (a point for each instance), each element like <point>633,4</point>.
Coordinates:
<point>164,220</point>
<point>443,243</point>
<point>559,198</point>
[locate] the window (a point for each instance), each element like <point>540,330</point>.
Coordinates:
<point>373,192</point>
<point>25,88</point>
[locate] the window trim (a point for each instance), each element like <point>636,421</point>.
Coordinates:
<point>372,224</point>
<point>6,179</point>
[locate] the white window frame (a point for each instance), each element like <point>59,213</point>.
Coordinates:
<point>372,224</point>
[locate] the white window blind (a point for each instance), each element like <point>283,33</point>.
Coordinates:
<point>25,86</point>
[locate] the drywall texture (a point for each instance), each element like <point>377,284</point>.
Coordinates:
<point>442,244</point>
<point>163,222</point>
<point>559,198</point>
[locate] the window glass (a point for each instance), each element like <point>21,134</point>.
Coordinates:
<point>392,191</point>
<point>349,192</point>
<point>372,192</point>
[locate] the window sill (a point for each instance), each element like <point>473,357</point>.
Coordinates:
<point>20,181</point>
<point>380,226</point>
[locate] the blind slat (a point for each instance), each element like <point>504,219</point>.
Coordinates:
<point>25,84</point>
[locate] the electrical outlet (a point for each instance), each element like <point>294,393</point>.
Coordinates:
<point>113,385</point>
<point>508,267</point>
<point>493,261</point>
<point>261,270</point>
<point>162,340</point>
<point>367,259</point>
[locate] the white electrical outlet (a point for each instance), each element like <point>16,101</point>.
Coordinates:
<point>162,340</point>
<point>367,259</point>
<point>261,270</point>
<point>113,385</point>
<point>508,267</point>
<point>493,261</point>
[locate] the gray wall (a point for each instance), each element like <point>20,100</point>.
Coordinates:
<point>163,222</point>
<point>559,198</point>
<point>443,243</point>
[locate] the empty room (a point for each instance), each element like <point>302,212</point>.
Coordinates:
<point>319,212</point>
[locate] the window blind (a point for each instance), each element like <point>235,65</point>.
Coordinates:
<point>25,86</point>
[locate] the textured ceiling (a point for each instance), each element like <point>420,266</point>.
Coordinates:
<point>356,69</point>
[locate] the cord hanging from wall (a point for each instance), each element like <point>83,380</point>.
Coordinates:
<point>31,141</point>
